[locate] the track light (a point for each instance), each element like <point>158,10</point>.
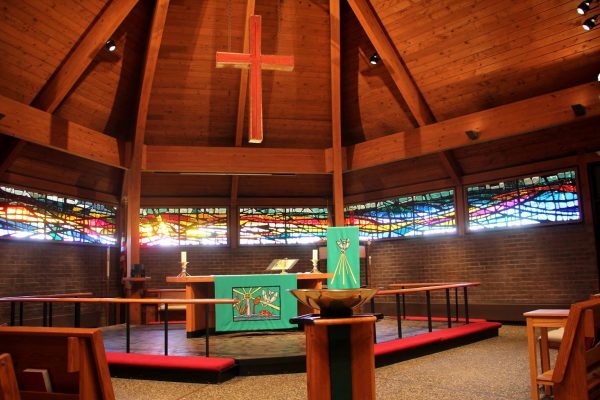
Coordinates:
<point>110,45</point>
<point>375,59</point>
<point>590,23</point>
<point>583,7</point>
<point>473,135</point>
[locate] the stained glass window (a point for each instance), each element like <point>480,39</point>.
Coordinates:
<point>418,215</point>
<point>26,214</point>
<point>528,201</point>
<point>282,225</point>
<point>183,226</point>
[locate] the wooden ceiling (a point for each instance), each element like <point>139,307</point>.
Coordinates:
<point>509,69</point>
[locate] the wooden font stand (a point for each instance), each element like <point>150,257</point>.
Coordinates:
<point>340,361</point>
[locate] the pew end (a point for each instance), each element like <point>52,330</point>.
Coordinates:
<point>74,359</point>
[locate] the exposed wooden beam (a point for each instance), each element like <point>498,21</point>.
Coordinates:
<point>33,183</point>
<point>11,148</point>
<point>336,114</point>
<point>40,127</point>
<point>509,120</point>
<point>451,166</point>
<point>234,160</point>
<point>167,201</point>
<point>392,61</point>
<point>133,175</point>
<point>398,191</point>
<point>69,72</point>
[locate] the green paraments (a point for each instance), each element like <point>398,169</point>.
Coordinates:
<point>263,302</point>
<point>343,260</point>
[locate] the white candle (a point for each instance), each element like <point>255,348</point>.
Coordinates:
<point>315,254</point>
<point>183,256</point>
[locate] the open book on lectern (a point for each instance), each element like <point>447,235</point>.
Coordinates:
<point>282,264</point>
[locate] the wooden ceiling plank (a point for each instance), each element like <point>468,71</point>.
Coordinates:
<point>451,166</point>
<point>234,160</point>
<point>28,123</point>
<point>386,50</point>
<point>61,82</point>
<point>513,119</point>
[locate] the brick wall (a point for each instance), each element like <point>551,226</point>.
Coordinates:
<point>37,268</point>
<point>518,269</point>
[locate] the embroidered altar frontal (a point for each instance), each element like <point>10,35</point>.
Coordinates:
<point>263,302</point>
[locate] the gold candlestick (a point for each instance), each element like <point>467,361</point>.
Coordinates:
<point>315,263</point>
<point>183,272</point>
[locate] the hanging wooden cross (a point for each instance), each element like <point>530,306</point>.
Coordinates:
<point>255,61</point>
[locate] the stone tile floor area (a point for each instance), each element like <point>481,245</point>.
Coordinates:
<point>492,369</point>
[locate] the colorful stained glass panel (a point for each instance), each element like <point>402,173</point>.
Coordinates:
<point>527,201</point>
<point>419,215</point>
<point>282,225</point>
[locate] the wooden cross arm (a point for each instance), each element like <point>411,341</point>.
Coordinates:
<point>232,60</point>
<point>277,63</point>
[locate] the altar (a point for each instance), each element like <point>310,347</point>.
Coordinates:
<point>199,287</point>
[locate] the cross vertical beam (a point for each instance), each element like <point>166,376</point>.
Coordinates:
<point>255,61</point>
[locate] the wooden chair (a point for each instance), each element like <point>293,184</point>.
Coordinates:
<point>73,357</point>
<point>576,373</point>
<point>9,390</point>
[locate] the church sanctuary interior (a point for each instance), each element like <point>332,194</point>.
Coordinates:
<point>300,199</point>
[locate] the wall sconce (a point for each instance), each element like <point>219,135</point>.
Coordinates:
<point>579,110</point>
<point>473,135</point>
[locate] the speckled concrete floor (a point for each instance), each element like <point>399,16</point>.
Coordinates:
<point>493,369</point>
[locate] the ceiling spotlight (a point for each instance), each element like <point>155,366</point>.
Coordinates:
<point>583,7</point>
<point>473,135</point>
<point>590,23</point>
<point>375,59</point>
<point>110,45</point>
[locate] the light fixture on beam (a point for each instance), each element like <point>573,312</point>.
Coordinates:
<point>583,7</point>
<point>375,59</point>
<point>110,45</point>
<point>590,23</point>
<point>473,135</point>
<point>578,109</point>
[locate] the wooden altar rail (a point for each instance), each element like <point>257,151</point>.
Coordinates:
<point>46,307</point>
<point>128,301</point>
<point>406,288</point>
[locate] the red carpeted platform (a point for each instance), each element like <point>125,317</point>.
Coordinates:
<point>186,368</point>
<point>426,343</point>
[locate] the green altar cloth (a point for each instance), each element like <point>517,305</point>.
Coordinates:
<point>263,302</point>
<point>343,257</point>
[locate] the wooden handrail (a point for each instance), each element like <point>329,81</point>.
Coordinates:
<point>81,294</point>
<point>426,288</point>
<point>114,300</point>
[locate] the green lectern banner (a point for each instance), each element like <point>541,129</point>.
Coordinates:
<point>343,257</point>
<point>263,302</point>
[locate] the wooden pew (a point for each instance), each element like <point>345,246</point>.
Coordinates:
<point>576,372</point>
<point>153,311</point>
<point>8,381</point>
<point>74,358</point>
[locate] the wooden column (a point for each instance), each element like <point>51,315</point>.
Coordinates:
<point>336,117</point>
<point>133,175</point>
